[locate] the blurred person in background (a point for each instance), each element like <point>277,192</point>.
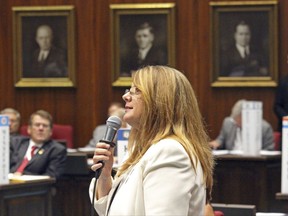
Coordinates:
<point>115,108</point>
<point>14,121</point>
<point>230,136</point>
<point>38,154</point>
<point>281,101</point>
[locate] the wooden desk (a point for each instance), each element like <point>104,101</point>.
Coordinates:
<point>72,196</point>
<point>238,180</point>
<point>26,199</point>
<point>283,199</point>
<point>281,196</point>
<point>248,180</point>
<point>72,189</point>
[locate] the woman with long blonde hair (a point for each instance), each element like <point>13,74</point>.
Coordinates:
<point>169,166</point>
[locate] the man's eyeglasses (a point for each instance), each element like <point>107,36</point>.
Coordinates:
<point>37,125</point>
<point>133,91</point>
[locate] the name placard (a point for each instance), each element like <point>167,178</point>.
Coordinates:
<point>122,143</point>
<point>252,127</point>
<point>284,173</point>
<point>4,149</point>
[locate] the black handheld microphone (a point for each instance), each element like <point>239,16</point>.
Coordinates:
<point>113,123</point>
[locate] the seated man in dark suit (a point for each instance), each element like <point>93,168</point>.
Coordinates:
<point>231,132</point>
<point>38,155</point>
<point>281,101</point>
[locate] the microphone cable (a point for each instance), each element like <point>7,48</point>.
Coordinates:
<point>113,123</point>
<point>97,175</point>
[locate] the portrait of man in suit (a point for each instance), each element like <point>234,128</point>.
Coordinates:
<point>44,47</point>
<point>143,41</point>
<point>146,52</point>
<point>242,58</point>
<point>47,60</point>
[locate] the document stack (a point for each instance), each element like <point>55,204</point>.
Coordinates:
<point>284,177</point>
<point>251,127</point>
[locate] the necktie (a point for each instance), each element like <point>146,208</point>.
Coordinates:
<point>41,57</point>
<point>245,52</point>
<point>26,161</point>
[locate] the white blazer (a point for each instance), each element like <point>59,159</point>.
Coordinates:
<point>161,183</point>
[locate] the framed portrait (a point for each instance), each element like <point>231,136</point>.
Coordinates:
<point>244,44</point>
<point>142,34</point>
<point>43,46</point>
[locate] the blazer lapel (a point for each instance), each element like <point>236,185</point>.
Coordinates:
<point>39,153</point>
<point>22,150</point>
<point>112,192</point>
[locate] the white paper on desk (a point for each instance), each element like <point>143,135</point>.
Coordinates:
<point>267,152</point>
<point>225,152</point>
<point>26,178</point>
<point>236,152</point>
<point>70,150</point>
<point>4,149</point>
<point>220,152</point>
<point>86,149</point>
<point>270,214</point>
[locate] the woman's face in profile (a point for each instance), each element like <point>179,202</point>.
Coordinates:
<point>133,107</point>
<point>144,38</point>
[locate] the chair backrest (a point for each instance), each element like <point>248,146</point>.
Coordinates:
<point>59,132</point>
<point>277,140</point>
<point>235,209</point>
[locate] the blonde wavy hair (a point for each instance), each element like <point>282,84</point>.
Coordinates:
<point>170,110</point>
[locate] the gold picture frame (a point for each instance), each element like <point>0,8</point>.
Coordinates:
<point>249,24</point>
<point>44,46</point>
<point>127,20</point>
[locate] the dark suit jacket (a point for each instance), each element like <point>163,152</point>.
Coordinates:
<point>232,64</point>
<point>154,56</point>
<point>55,65</point>
<point>49,160</point>
<point>281,101</point>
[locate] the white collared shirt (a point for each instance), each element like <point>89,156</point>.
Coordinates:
<point>143,52</point>
<point>28,152</point>
<point>242,50</point>
<point>43,55</point>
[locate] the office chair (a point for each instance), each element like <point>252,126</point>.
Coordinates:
<point>61,133</point>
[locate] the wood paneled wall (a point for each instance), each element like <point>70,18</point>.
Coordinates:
<point>85,106</point>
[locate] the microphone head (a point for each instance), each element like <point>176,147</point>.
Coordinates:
<point>114,122</point>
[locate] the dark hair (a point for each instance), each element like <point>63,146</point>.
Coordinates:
<point>241,23</point>
<point>146,25</point>
<point>42,113</point>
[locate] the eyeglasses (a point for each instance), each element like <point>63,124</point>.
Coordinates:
<point>36,125</point>
<point>132,91</point>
